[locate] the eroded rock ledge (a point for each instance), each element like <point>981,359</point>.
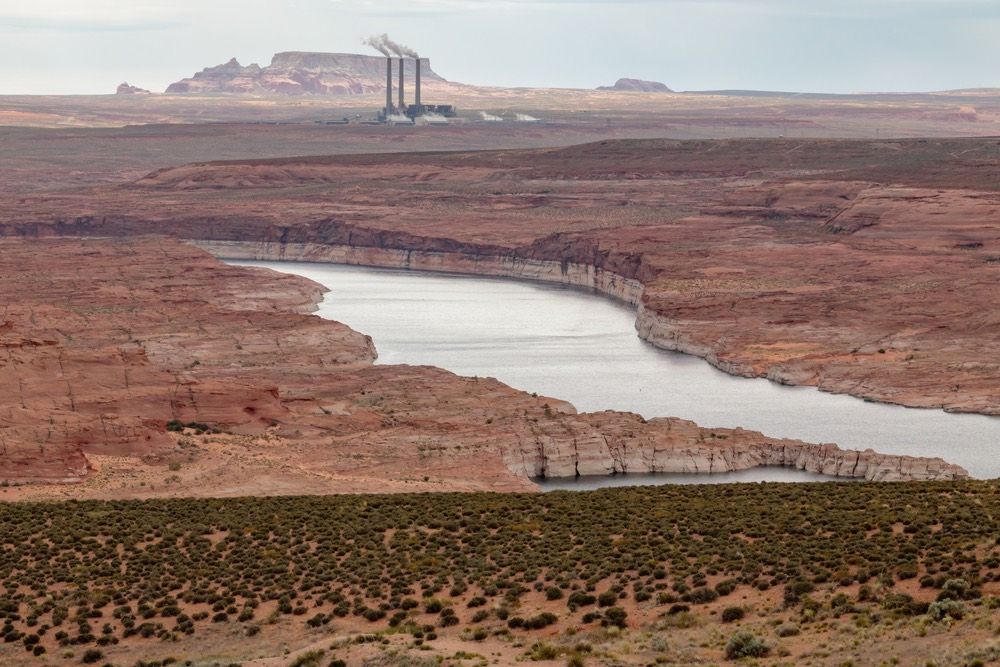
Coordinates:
<point>625,443</point>
<point>98,363</point>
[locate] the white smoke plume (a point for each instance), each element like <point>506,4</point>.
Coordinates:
<point>399,49</point>
<point>378,42</point>
<point>388,47</point>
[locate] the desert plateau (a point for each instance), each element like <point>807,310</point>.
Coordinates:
<point>333,361</point>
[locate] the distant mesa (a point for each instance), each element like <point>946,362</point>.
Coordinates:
<point>301,73</point>
<point>638,86</point>
<point>126,88</point>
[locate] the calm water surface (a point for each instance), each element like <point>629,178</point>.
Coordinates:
<point>582,347</point>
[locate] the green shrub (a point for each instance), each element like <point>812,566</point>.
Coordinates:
<point>942,609</point>
<point>733,614</point>
<point>615,616</point>
<point>745,644</point>
<point>92,655</point>
<point>308,659</point>
<point>543,651</point>
<point>607,598</point>
<point>787,630</point>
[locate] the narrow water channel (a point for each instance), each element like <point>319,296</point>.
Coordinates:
<point>582,347</point>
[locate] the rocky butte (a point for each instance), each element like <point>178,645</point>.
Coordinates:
<point>638,86</point>
<point>125,88</point>
<point>302,73</point>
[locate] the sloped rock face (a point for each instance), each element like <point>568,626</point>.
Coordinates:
<point>104,342</point>
<point>638,86</point>
<point>303,73</point>
<point>607,443</point>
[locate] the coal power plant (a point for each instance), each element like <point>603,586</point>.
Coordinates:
<point>399,111</point>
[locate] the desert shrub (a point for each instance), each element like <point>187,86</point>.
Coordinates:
<point>956,589</point>
<point>539,621</point>
<point>308,659</point>
<point>745,644</point>
<point>91,655</point>
<point>787,630</point>
<point>542,651</point>
<point>615,617</point>
<point>123,559</point>
<point>794,591</point>
<point>607,598</point>
<point>701,595</point>
<point>942,609</point>
<point>725,587</point>
<point>733,614</point>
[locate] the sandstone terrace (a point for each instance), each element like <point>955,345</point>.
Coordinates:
<point>823,573</point>
<point>143,367</point>
<point>862,267</point>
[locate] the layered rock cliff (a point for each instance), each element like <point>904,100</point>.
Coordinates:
<point>303,73</point>
<point>112,345</point>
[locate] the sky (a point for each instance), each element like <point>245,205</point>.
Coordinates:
<point>90,46</point>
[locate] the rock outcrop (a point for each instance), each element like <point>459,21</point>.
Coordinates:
<point>858,267</point>
<point>125,88</point>
<point>637,86</point>
<point>107,342</point>
<point>303,73</point>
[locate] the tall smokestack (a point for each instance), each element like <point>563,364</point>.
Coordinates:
<point>402,103</point>
<point>416,99</point>
<point>388,85</point>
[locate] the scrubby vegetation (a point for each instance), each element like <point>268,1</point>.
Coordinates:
<point>90,574</point>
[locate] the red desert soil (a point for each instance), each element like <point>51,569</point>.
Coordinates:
<point>107,341</point>
<point>862,267</point>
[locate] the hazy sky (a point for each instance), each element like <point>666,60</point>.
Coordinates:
<point>89,46</point>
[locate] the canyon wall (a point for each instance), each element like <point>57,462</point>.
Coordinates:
<point>97,367</point>
<point>650,325</point>
<point>502,266</point>
<point>626,443</point>
<point>611,443</point>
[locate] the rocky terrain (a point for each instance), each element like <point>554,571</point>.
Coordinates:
<point>864,268</point>
<point>303,73</point>
<point>146,367</point>
<point>638,86</point>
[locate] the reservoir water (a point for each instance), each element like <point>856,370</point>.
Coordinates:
<point>582,347</point>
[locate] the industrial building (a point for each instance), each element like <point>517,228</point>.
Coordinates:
<point>401,112</point>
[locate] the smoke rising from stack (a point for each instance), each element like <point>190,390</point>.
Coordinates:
<point>377,42</point>
<point>387,47</point>
<point>399,49</point>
